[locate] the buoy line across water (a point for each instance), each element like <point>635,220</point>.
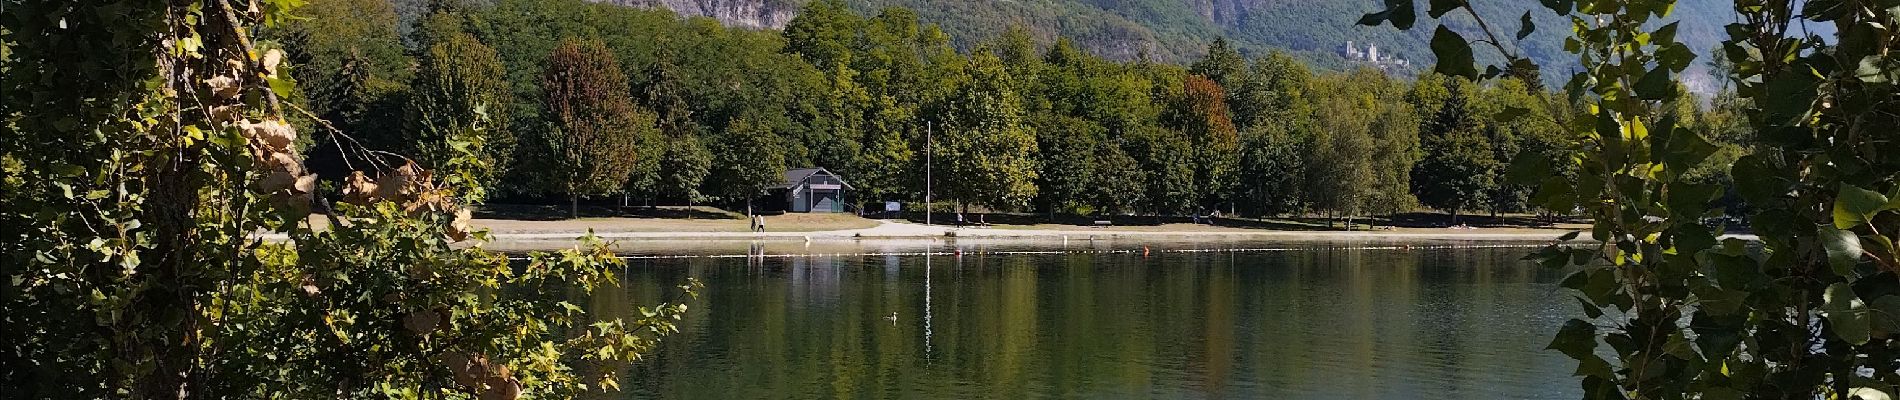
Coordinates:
<point>1145,251</point>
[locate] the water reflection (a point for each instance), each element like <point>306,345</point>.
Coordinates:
<point>1325,322</point>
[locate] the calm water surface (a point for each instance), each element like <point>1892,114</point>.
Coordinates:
<point>1327,321</point>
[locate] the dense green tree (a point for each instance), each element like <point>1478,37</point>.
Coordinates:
<point>593,125</point>
<point>747,159</point>
<point>680,160</point>
<point>1271,169</point>
<point>1342,177</point>
<point>985,154</point>
<point>1276,141</point>
<point>1459,168</point>
<point>1532,131</point>
<point>1200,113</point>
<point>1338,173</point>
<point>683,167</point>
<point>459,78</point>
<point>1395,143</point>
<point>1222,64</point>
<point>1167,164</point>
<point>1119,180</point>
<point>352,67</point>
<point>159,241</point>
<point>824,33</point>
<point>1069,176</point>
<point>1276,92</point>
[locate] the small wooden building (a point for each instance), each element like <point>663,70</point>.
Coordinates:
<point>811,190</point>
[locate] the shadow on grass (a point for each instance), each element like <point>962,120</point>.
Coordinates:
<point>1440,220</point>
<point>1405,220</point>
<point>549,212</point>
<point>1082,221</point>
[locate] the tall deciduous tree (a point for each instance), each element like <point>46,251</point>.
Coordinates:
<point>458,79</point>
<point>747,159</point>
<point>352,67</point>
<point>1276,112</point>
<point>1339,172</point>
<point>986,152</point>
<point>1069,177</point>
<point>594,126</point>
<point>1458,170</point>
<point>1396,151</point>
<point>1200,113</point>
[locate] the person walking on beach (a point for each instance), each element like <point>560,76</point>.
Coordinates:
<point>761,223</point>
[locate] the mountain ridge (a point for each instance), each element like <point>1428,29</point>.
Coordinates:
<point>1178,31</point>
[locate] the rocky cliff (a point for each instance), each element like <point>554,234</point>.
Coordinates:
<point>756,14</point>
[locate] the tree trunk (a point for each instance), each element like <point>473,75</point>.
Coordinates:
<point>171,349</point>
<point>573,206</point>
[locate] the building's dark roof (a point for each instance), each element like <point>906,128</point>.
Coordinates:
<point>798,175</point>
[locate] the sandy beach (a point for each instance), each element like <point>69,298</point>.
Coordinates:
<point>517,236</point>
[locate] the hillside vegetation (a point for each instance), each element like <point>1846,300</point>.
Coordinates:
<point>1178,30</point>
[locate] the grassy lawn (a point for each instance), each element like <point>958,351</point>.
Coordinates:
<point>527,219</point>
<point>1401,222</point>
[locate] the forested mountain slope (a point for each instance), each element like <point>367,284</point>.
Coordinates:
<point>1179,30</point>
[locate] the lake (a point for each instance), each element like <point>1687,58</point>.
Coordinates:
<point>1187,320</point>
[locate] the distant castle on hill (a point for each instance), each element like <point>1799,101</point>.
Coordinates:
<point>1372,57</point>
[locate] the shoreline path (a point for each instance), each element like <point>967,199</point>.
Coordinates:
<point>906,230</point>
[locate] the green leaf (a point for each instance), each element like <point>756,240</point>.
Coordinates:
<point>1691,200</point>
<point>1655,85</point>
<point>1716,335</point>
<point>1577,339</point>
<point>1582,256</point>
<point>1454,54</point>
<point>1561,7</point>
<point>1790,97</point>
<point>1528,168</point>
<point>1589,310</point>
<point>1675,56</point>
<point>1737,273</point>
<point>1847,314</point>
<point>1886,315</point>
<point>1374,19</point>
<point>1855,206</point>
<point>1594,366</point>
<point>1871,70</point>
<point>1398,12</point>
<point>1764,185</point>
<point>1526,26</point>
<point>1843,249</point>
<point>1686,150</point>
<point>1440,7</point>
<point>1665,34</point>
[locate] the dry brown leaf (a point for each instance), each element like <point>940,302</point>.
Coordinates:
<point>224,87</point>
<point>305,184</point>
<point>274,134</point>
<point>271,59</point>
<point>459,229</point>
<point>399,184</point>
<point>309,287</point>
<point>502,389</point>
<point>358,189</point>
